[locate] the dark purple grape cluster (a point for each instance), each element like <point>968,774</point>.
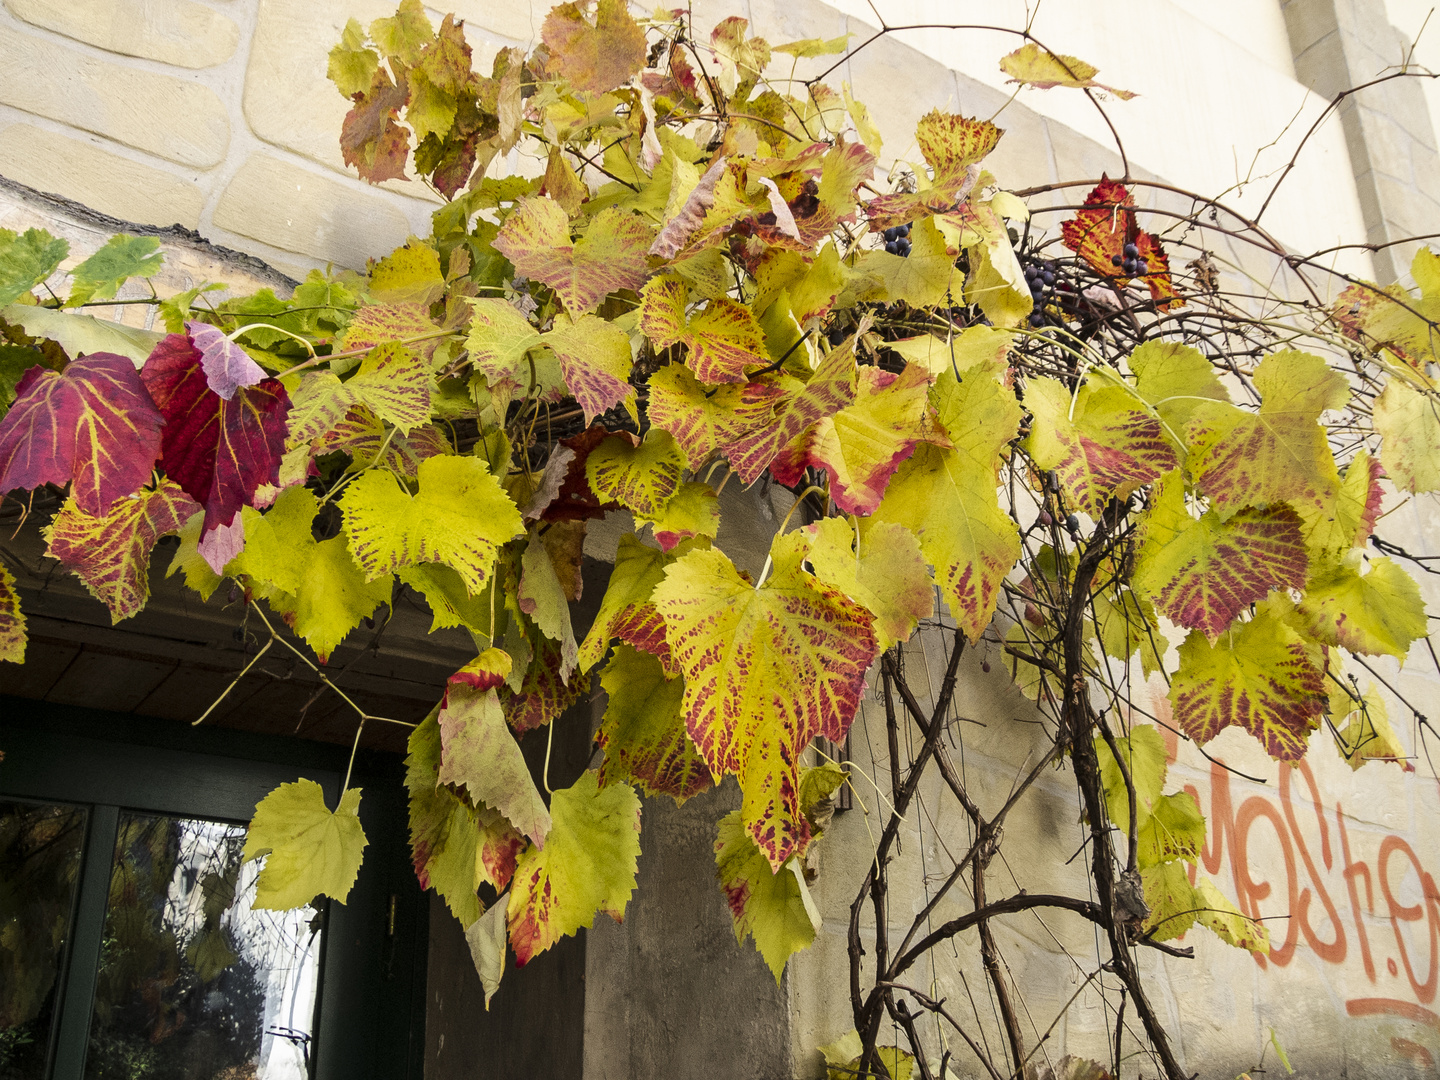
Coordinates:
<point>897,240</point>
<point>1043,279</point>
<point>1131,264</point>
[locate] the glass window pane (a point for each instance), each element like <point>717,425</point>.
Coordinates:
<point>193,983</point>
<point>40,849</point>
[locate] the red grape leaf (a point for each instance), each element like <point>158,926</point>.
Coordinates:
<point>543,693</point>
<point>610,256</point>
<point>94,423</point>
<point>596,56</point>
<point>863,444</point>
<point>1202,573</point>
<point>574,499</point>
<point>370,139</point>
<point>218,451</point>
<point>111,553</point>
<point>1099,233</point>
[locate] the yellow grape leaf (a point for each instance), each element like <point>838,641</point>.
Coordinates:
<point>542,597</point>
<point>308,850</point>
<point>1031,65</point>
<point>1175,380</point>
<point>864,125</point>
<point>773,906</point>
<point>703,421</point>
<point>587,866</point>
<point>610,256</point>
<point>1379,612</point>
<point>12,620</point>
<point>948,497</point>
<point>395,383</point>
<point>1174,829</point>
<point>640,476</point>
<point>862,444</point>
<point>405,33</point>
<point>596,56</point>
<point>1368,735</point>
<point>1103,444</point>
<point>190,564</point>
<point>627,611</point>
<point>1259,677</point>
<point>809,48</point>
<point>316,585</point>
<point>887,576</point>
<point>1347,519</point>
<point>1278,454</point>
<point>1176,905</point>
<point>766,670</point>
<point>352,66</point>
<point>694,510</point>
<point>111,553</point>
<point>1204,572</point>
<point>921,279</point>
<point>643,732</point>
<point>479,753</point>
<point>409,274</point>
<point>1407,420</point>
<point>720,342</point>
<point>1395,320</point>
<point>460,517</point>
<point>450,602</point>
<point>971,346</point>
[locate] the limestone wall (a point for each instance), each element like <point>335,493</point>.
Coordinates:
<point>216,115</point>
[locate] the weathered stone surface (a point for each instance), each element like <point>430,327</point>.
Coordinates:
<point>178,32</point>
<point>100,179</point>
<point>292,208</point>
<point>175,119</point>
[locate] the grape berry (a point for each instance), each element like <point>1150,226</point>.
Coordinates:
<point>897,240</point>
<point>1130,262</point>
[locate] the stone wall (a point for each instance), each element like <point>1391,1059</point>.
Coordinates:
<point>216,115</point>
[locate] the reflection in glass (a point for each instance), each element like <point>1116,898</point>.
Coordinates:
<point>193,983</point>
<point>40,848</point>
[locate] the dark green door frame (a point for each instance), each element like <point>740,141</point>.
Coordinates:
<point>372,976</point>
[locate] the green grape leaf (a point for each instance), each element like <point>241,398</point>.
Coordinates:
<point>500,339</point>
<point>694,510</point>
<point>122,257</point>
<point>1407,420</point>
<point>1259,677</point>
<point>1368,735</point>
<point>308,850</point>
<point>587,866</point>
<point>190,564</point>
<point>444,833</point>
<point>627,611</point>
<point>487,939</point>
<point>1030,65</point>
<point>12,620</point>
<point>702,421</point>
<point>596,56</point>
<point>1174,829</point>
<point>809,48</point>
<point>1379,612</point>
<point>542,597</point>
<point>766,670</point>
<point>610,256</point>
<point>351,65</point>
<point>80,334</point>
<point>1103,443</point>
<point>26,260</point>
<point>404,34</point>
<point>720,342</point>
<point>1126,622</point>
<point>948,499</point>
<point>479,753</point>
<point>409,274</point>
<point>640,476</point>
<point>111,553</point>
<point>643,730</point>
<point>459,517</point>
<point>1175,380</point>
<point>1278,454</point>
<point>862,444</point>
<point>595,360</point>
<point>1204,572</point>
<point>1176,905</point>
<point>772,906</point>
<point>1142,753</point>
<point>887,576</point>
